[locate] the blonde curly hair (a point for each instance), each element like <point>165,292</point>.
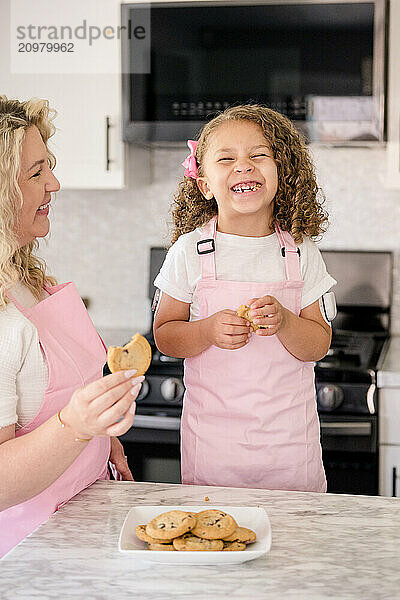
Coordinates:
<point>297,205</point>
<point>19,263</point>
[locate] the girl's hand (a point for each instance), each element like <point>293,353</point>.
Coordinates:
<point>226,330</point>
<point>118,459</point>
<point>268,313</point>
<point>104,407</point>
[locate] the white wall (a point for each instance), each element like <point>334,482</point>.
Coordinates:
<point>101,240</point>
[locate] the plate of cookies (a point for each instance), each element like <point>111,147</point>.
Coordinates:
<point>192,535</point>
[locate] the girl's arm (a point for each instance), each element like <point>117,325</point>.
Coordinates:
<point>176,336</point>
<point>306,336</point>
<point>32,462</point>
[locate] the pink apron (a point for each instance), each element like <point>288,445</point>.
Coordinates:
<point>75,356</point>
<point>250,417</point>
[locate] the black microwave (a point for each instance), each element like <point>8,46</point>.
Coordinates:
<point>322,64</point>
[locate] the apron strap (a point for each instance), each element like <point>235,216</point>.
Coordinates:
<point>291,254</point>
<point>206,250</point>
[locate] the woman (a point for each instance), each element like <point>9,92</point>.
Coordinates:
<point>58,415</point>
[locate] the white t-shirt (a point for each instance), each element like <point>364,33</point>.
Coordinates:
<point>23,367</point>
<point>239,258</point>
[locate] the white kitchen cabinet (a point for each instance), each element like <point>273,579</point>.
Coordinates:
<point>393,99</point>
<point>389,471</point>
<point>87,144</point>
<point>389,441</point>
<point>389,415</point>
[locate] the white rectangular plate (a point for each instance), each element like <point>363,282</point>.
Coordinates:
<point>246,516</point>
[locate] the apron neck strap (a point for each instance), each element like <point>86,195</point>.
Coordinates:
<point>291,254</point>
<point>206,249</point>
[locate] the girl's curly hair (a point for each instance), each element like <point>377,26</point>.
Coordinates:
<point>297,207</point>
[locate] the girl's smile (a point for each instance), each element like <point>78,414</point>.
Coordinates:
<point>246,187</point>
<point>239,171</point>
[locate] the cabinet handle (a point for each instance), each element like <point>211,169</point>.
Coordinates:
<point>394,482</point>
<point>108,159</point>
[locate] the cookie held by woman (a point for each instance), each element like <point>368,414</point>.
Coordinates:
<point>136,354</point>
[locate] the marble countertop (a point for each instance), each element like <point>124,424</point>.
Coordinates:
<point>323,546</point>
<point>389,374</point>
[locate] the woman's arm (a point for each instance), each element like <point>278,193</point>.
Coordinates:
<point>32,462</point>
<point>306,336</point>
<point>176,336</point>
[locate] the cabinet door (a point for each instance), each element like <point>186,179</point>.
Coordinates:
<point>87,143</point>
<point>389,471</point>
<point>393,104</point>
<point>389,416</point>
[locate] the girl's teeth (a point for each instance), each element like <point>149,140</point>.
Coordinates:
<point>44,206</point>
<point>247,188</point>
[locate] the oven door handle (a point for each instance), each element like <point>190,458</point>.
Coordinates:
<point>156,422</point>
<point>346,428</point>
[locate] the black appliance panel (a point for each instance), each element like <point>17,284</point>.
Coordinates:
<point>323,50</point>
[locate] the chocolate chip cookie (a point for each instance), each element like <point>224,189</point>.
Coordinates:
<point>214,524</point>
<point>234,546</point>
<point>134,355</point>
<point>241,534</point>
<point>142,535</point>
<point>243,311</point>
<point>170,525</point>
<point>161,547</point>
<point>189,542</point>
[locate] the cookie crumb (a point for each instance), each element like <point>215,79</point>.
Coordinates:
<point>207,499</point>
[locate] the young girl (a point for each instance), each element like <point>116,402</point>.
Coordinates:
<point>244,217</point>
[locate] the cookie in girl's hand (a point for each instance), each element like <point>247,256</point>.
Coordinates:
<point>136,354</point>
<point>243,311</point>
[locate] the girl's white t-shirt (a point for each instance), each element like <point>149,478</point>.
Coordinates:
<point>239,258</point>
<point>23,367</point>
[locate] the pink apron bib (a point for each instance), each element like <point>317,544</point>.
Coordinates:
<point>249,415</point>
<point>75,357</point>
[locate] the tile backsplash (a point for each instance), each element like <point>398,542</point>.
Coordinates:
<point>101,239</point>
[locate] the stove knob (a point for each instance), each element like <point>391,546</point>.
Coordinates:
<point>144,391</point>
<point>172,389</point>
<point>330,396</point>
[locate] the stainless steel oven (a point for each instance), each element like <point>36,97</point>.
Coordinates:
<point>153,448</point>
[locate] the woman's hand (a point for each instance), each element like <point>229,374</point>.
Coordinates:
<point>104,407</point>
<point>269,313</point>
<point>226,330</point>
<point>118,459</point>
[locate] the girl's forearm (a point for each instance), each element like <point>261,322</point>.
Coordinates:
<point>305,339</point>
<point>29,464</point>
<point>182,339</point>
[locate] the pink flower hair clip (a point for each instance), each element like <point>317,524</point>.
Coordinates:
<point>190,163</point>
